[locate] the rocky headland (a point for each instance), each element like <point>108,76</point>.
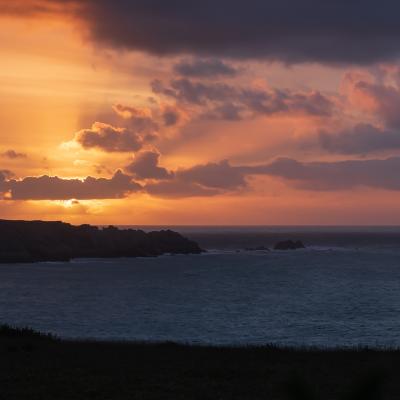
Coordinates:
<point>35,241</point>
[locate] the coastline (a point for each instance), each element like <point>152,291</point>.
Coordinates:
<point>38,241</point>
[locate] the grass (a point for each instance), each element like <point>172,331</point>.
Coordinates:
<point>40,366</point>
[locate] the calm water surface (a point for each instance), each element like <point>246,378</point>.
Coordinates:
<point>311,297</point>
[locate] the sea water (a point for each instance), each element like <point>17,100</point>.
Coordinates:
<point>343,290</point>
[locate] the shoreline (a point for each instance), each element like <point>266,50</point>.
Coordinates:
<point>27,332</point>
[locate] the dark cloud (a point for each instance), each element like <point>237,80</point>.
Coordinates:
<point>226,111</point>
<point>137,119</point>
<point>186,90</point>
<point>200,180</point>
<point>361,139</point>
<point>320,176</point>
<point>229,102</point>
<point>289,30</point>
<point>108,138</point>
<point>145,166</point>
<point>55,188</point>
<point>208,68</point>
<point>13,155</point>
<point>219,175</point>
<point>336,175</point>
<point>170,116</point>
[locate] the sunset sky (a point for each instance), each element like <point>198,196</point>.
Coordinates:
<point>180,112</point>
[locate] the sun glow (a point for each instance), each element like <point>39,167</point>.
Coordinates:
<point>68,203</point>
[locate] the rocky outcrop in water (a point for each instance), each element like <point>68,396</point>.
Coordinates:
<point>33,241</point>
<point>289,245</point>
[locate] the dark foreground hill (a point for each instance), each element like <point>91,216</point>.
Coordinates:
<point>34,366</point>
<point>32,241</point>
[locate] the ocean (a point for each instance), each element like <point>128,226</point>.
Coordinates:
<point>342,290</point>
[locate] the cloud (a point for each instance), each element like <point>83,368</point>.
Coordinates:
<point>55,188</point>
<point>289,30</point>
<point>204,68</point>
<point>5,174</point>
<point>189,91</point>
<point>361,139</point>
<point>335,175</point>
<point>13,155</point>
<point>384,101</point>
<point>132,128</point>
<point>379,102</point>
<point>222,177</point>
<point>140,120</point>
<point>224,101</point>
<point>170,116</point>
<point>145,166</point>
<point>109,139</point>
<point>210,179</point>
<point>227,111</point>
<point>219,175</point>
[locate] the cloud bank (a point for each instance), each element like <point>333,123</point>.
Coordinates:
<point>199,68</point>
<point>361,139</point>
<point>291,31</point>
<point>210,179</point>
<point>55,188</point>
<point>224,101</point>
<point>335,175</point>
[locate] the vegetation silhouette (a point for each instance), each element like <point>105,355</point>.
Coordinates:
<point>370,387</point>
<point>40,366</point>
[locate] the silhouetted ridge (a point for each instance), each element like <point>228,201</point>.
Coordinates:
<point>32,241</point>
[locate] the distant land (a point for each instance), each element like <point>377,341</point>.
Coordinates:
<point>35,241</point>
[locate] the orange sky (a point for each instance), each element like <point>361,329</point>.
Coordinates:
<point>56,82</point>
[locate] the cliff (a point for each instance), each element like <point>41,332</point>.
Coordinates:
<point>33,241</point>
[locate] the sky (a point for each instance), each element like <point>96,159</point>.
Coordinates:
<point>200,113</point>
